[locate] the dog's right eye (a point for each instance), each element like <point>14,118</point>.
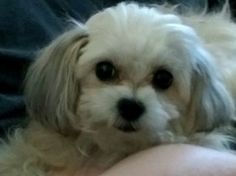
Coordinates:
<point>162,79</point>
<point>105,71</point>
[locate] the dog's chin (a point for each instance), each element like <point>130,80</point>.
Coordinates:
<point>124,139</point>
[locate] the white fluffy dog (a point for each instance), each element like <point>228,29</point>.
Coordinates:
<point>130,78</point>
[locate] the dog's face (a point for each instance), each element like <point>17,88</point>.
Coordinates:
<point>132,75</point>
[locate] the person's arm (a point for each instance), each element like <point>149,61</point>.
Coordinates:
<point>176,160</point>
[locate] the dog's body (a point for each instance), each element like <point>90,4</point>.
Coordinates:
<point>175,73</point>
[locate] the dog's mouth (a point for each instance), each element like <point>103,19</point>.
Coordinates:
<point>127,128</point>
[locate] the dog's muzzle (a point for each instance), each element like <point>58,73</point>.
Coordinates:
<point>130,110</point>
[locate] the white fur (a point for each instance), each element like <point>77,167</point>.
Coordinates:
<point>74,114</point>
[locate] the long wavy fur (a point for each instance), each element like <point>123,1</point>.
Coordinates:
<point>52,143</point>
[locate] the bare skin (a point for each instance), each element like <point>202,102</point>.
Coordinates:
<point>176,160</point>
<point>168,160</point>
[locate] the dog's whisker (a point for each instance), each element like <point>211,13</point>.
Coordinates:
<point>82,152</point>
<point>135,125</point>
<point>111,122</point>
<point>88,130</point>
<point>118,121</point>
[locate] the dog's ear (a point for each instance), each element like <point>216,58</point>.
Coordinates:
<point>52,89</point>
<point>211,104</point>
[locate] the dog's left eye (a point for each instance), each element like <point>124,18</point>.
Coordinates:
<point>162,79</point>
<point>105,71</point>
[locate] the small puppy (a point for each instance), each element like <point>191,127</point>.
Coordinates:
<point>130,78</point>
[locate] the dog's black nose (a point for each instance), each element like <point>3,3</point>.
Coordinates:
<point>130,109</point>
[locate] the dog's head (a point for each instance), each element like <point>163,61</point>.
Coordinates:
<point>130,74</point>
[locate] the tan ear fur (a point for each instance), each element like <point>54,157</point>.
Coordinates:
<point>211,105</point>
<point>52,90</point>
